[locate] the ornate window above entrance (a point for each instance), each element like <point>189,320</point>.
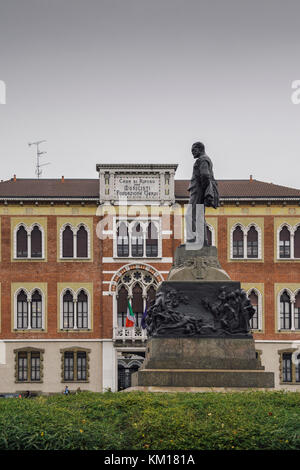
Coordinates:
<point>139,287</point>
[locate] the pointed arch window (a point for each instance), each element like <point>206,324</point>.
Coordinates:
<point>252,243</point>
<point>285,311</point>
<point>122,240</point>
<point>254,323</point>
<point>137,303</point>
<point>68,242</point>
<point>297,311</point>
<point>122,306</point>
<point>36,242</point>
<point>68,310</point>
<point>82,310</point>
<point>238,243</point>
<point>36,310</point>
<point>137,241</point>
<point>152,240</point>
<point>297,243</point>
<point>151,292</point>
<point>22,243</point>
<point>284,243</point>
<point>22,310</point>
<point>82,242</point>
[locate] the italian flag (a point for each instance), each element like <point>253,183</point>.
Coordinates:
<point>130,319</point>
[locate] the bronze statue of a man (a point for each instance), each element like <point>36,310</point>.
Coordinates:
<point>203,191</point>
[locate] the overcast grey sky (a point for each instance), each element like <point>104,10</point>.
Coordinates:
<point>141,80</point>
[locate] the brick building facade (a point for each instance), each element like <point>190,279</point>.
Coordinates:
<point>72,252</point>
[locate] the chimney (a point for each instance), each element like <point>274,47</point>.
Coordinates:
<point>62,179</point>
<point>251,178</point>
<point>15,178</point>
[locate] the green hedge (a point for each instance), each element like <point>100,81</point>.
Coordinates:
<point>154,421</point>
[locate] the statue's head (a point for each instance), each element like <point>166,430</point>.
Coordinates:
<point>198,149</point>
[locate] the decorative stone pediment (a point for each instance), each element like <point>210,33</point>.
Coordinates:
<point>138,183</point>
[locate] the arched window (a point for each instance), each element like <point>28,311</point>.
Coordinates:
<point>297,243</point>
<point>297,311</point>
<point>22,310</point>
<point>82,310</point>
<point>68,310</point>
<point>22,243</point>
<point>252,243</point>
<point>122,240</point>
<point>151,292</point>
<point>122,306</point>
<point>238,243</point>
<point>152,240</point>
<point>137,304</point>
<point>68,243</point>
<point>137,242</point>
<point>253,297</point>
<point>36,310</point>
<point>284,243</point>
<point>82,242</point>
<point>209,236</point>
<point>36,242</point>
<point>285,311</point>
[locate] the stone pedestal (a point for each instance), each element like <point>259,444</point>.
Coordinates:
<point>198,329</point>
<point>202,362</point>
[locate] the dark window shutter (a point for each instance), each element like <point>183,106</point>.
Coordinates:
<point>137,299</point>
<point>122,300</point>
<point>68,243</point>
<point>297,243</point>
<point>22,243</point>
<point>150,295</point>
<point>82,243</point>
<point>284,234</point>
<point>36,243</point>
<point>152,240</point>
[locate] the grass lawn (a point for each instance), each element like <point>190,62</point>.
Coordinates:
<point>154,421</point>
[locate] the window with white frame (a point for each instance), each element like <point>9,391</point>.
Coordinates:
<point>289,310</point>
<point>255,298</point>
<point>29,241</point>
<point>75,310</point>
<point>29,310</point>
<point>288,241</point>
<point>245,242</point>
<point>74,242</point>
<point>137,239</point>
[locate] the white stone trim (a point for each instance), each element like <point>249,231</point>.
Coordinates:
<point>213,234</point>
<point>28,229</point>
<point>292,301</point>
<point>245,230</point>
<point>291,230</point>
<point>74,229</point>
<point>29,295</point>
<point>75,300</point>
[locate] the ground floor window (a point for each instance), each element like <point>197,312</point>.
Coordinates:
<point>75,365</point>
<point>289,367</point>
<point>29,365</point>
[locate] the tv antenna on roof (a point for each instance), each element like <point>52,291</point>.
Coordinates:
<point>38,170</point>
